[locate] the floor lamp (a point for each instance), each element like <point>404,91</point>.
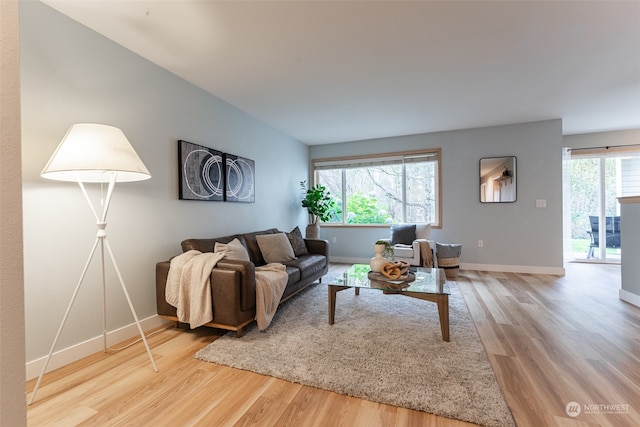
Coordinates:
<point>94,153</point>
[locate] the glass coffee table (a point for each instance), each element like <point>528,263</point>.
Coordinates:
<point>430,284</point>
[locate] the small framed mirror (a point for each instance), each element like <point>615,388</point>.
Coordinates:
<point>498,179</point>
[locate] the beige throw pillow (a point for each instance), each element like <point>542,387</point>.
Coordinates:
<point>235,250</point>
<point>275,247</point>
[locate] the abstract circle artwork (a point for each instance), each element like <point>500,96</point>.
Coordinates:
<point>202,172</point>
<point>208,174</point>
<point>240,179</point>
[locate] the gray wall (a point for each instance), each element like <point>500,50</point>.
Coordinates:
<point>517,236</point>
<point>630,274</point>
<point>70,75</point>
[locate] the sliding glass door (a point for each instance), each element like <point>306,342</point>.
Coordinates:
<point>597,178</point>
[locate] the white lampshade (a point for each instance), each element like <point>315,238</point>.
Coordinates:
<point>91,152</point>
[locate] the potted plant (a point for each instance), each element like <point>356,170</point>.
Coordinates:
<point>382,249</point>
<point>320,206</point>
<point>388,247</point>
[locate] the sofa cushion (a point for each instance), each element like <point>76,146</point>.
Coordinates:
<point>308,264</point>
<point>294,275</point>
<point>403,251</point>
<point>297,242</point>
<point>234,250</point>
<point>403,233</point>
<point>275,247</point>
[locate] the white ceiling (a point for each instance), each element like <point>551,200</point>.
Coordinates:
<point>334,71</point>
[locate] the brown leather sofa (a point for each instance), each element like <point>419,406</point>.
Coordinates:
<point>233,284</point>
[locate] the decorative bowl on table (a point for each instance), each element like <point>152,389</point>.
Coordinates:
<point>395,270</point>
<point>379,280</point>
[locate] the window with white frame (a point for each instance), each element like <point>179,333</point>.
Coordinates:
<point>383,189</point>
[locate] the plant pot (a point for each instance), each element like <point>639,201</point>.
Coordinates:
<point>312,231</point>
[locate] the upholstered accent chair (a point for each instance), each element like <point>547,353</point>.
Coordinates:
<point>407,239</point>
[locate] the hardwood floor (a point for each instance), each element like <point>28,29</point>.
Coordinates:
<point>551,341</point>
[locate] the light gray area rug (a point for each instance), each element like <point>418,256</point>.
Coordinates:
<point>383,348</point>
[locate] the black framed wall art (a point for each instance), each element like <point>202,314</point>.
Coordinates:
<point>202,172</point>
<point>239,179</point>
<point>211,175</point>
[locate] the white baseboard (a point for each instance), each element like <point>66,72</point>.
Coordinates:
<point>555,271</point>
<point>349,260</point>
<point>630,297</point>
<point>528,269</point>
<point>78,351</point>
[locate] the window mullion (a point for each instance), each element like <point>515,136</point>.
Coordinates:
<point>344,196</point>
<point>404,192</point>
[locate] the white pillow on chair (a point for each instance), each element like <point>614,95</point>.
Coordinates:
<point>423,231</point>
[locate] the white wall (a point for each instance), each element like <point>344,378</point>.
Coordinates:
<point>517,236</point>
<point>71,74</point>
<point>603,139</point>
<point>12,370</point>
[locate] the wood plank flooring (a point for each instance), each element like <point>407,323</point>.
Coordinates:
<point>551,341</point>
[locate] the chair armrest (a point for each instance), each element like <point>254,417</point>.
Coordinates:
<point>432,245</point>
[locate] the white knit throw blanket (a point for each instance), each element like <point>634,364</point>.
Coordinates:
<point>271,279</point>
<point>188,286</point>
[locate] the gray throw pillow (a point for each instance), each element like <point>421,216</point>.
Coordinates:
<point>403,233</point>
<point>297,242</point>
<point>275,247</point>
<point>445,250</point>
